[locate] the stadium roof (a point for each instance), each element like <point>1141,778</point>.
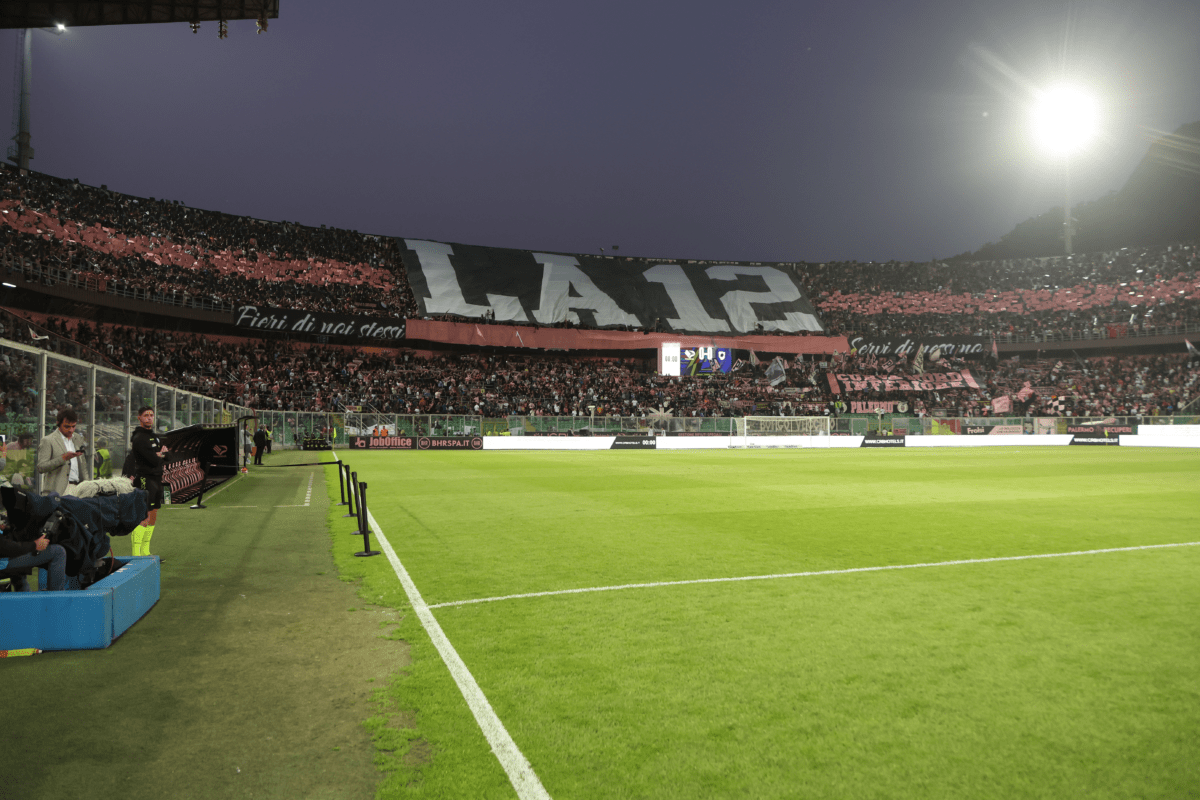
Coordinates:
<point>22,14</point>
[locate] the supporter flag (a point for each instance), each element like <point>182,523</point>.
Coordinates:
<point>776,374</point>
<point>1191,348</point>
<point>936,355</point>
<point>995,350</point>
<point>33,335</point>
<point>754,362</point>
<point>1002,404</point>
<point>918,366</point>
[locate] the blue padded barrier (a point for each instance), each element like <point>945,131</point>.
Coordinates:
<point>135,589</point>
<point>80,620</point>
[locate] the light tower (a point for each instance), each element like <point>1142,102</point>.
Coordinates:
<point>21,150</point>
<point>56,18</point>
<point>1064,120</point>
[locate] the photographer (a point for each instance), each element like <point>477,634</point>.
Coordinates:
<point>61,459</point>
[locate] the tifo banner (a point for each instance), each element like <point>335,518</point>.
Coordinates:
<point>928,382</point>
<point>417,442</point>
<point>600,291</point>
<point>905,346</point>
<point>361,329</point>
<point>876,406</point>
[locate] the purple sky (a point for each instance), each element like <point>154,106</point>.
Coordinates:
<point>759,130</point>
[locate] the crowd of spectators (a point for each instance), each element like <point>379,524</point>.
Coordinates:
<point>1091,295</point>
<point>160,249</point>
<point>279,375</point>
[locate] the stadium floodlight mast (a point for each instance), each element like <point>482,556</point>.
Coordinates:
<point>1065,118</point>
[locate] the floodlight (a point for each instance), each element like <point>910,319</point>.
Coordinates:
<point>1065,118</point>
<point>61,27</point>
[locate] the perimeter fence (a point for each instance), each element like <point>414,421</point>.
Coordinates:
<point>35,385</point>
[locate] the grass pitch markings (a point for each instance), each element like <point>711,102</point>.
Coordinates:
<point>658,584</point>
<point>520,772</point>
<point>307,495</point>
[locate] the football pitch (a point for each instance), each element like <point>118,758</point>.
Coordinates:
<point>1011,622</point>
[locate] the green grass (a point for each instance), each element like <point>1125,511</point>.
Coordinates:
<point>279,665</point>
<point>249,678</point>
<point>1040,678</point>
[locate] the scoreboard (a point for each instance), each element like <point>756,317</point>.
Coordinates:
<point>676,359</point>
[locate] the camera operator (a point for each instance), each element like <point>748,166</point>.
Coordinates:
<point>38,553</point>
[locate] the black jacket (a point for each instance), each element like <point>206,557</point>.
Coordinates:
<point>84,526</point>
<point>144,446</point>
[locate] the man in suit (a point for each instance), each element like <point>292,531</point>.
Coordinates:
<point>260,445</point>
<point>61,461</point>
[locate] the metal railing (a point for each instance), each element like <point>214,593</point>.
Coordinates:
<point>35,385</point>
<point>1100,333</point>
<point>35,272</point>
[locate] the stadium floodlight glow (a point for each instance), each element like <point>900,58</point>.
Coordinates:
<point>61,27</point>
<point>1065,118</point>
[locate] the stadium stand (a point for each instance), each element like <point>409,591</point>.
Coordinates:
<point>164,252</point>
<point>278,375</point>
<point>161,250</point>
<point>1088,296</point>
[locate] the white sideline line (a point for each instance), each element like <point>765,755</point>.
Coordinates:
<point>810,574</point>
<point>520,772</point>
<point>307,496</point>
